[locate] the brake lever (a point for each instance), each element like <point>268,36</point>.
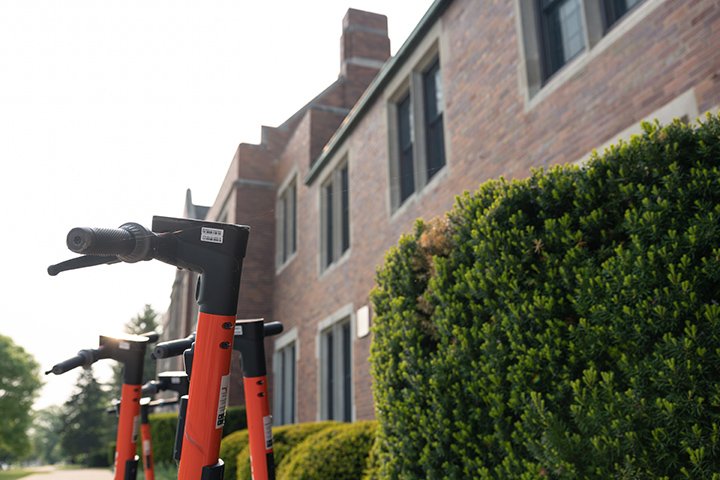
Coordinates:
<point>82,262</point>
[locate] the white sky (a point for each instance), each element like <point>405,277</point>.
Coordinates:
<point>109,111</point>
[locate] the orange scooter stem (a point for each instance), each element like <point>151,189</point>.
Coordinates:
<point>127,434</point>
<point>208,396</point>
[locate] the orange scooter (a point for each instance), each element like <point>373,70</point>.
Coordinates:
<point>249,341</point>
<point>216,251</point>
<point>130,351</point>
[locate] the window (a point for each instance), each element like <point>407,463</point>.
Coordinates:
<point>613,10</point>
<point>287,222</point>
<point>336,372</point>
<point>284,385</point>
<point>433,101</point>
<point>405,139</point>
<point>555,32</point>
<point>562,33</point>
<point>335,211</point>
<point>418,142</point>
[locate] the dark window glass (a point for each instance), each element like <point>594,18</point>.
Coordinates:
<point>292,384</point>
<point>405,137</point>
<point>562,33</point>
<point>284,385</point>
<point>328,223</point>
<point>330,390</point>
<point>293,216</point>
<point>615,9</point>
<point>432,90</point>
<point>347,373</point>
<point>345,208</point>
<point>288,223</point>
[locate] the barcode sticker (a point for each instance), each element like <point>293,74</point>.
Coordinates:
<point>136,428</point>
<point>222,401</point>
<point>212,235</point>
<point>267,422</point>
<point>238,330</point>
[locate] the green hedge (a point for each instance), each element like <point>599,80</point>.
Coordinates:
<point>162,428</point>
<point>285,438</point>
<point>563,326</point>
<point>337,452</point>
<point>164,425</point>
<point>230,446</point>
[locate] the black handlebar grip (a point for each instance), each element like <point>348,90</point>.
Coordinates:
<point>272,328</point>
<point>172,348</point>
<point>101,241</point>
<point>84,357</point>
<point>152,336</point>
<point>150,388</point>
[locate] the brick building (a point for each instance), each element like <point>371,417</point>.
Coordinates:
<point>480,89</point>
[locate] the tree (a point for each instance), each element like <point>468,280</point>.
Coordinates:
<point>46,431</point>
<point>88,428</point>
<point>19,385</point>
<point>141,323</point>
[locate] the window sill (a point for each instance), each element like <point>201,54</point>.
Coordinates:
<point>418,195</point>
<point>280,268</point>
<point>336,264</point>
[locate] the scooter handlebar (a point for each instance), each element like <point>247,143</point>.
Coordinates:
<point>82,359</point>
<point>131,242</point>
<point>100,241</point>
<point>152,336</point>
<point>172,348</point>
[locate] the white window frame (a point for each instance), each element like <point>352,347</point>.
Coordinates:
<point>281,343</point>
<point>337,255</point>
<point>411,84</point>
<point>334,321</point>
<point>281,235</point>
<point>597,40</point>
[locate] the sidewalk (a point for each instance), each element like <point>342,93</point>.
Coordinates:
<point>84,474</point>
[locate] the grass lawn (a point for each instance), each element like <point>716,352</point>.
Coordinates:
<point>13,474</point>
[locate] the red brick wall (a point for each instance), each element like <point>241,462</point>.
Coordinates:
<point>490,132</point>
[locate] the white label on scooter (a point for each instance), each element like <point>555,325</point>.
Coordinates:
<point>222,401</point>
<point>267,423</point>
<point>146,447</point>
<point>136,428</point>
<point>212,235</point>
<point>238,330</point>
<point>124,346</point>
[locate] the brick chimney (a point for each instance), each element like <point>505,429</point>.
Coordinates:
<point>364,44</point>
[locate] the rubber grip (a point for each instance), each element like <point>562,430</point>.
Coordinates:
<point>172,348</point>
<point>101,241</point>
<point>272,328</point>
<point>67,365</point>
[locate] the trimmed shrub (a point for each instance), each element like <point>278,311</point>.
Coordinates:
<point>230,446</point>
<point>285,438</point>
<point>162,429</point>
<point>563,326</point>
<point>235,419</point>
<point>339,452</point>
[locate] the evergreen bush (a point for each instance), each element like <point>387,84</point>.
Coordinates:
<point>162,430</point>
<point>230,446</point>
<point>563,326</point>
<point>338,452</point>
<point>163,427</point>
<point>285,438</point>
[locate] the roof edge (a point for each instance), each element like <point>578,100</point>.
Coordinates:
<point>379,82</point>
